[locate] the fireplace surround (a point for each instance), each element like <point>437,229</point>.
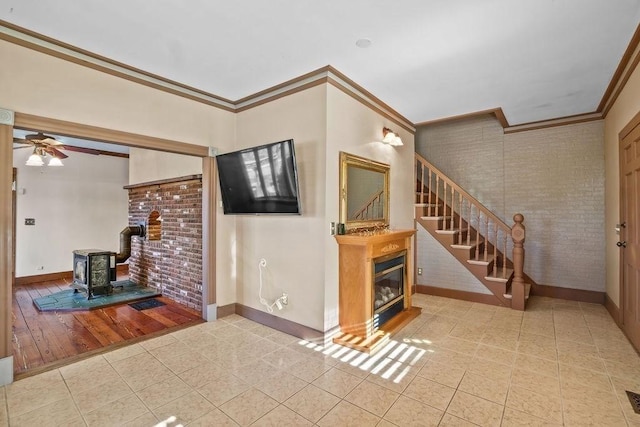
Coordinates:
<point>374,287</point>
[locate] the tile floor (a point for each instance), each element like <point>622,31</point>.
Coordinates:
<point>458,364</point>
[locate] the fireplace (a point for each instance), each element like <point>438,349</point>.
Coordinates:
<point>374,287</point>
<point>93,271</point>
<point>388,287</point>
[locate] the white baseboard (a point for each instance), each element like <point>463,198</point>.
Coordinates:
<point>212,312</point>
<point>6,370</point>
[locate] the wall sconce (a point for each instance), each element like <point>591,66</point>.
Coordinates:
<point>390,137</point>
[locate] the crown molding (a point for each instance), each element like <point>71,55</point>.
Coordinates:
<point>38,42</point>
<point>58,49</point>
<point>497,112</point>
<point>561,121</point>
<point>626,67</point>
<point>32,40</point>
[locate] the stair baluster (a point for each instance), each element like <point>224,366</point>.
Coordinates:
<point>453,210</point>
<point>479,215</point>
<point>460,215</point>
<point>486,244</point>
<point>495,253</point>
<point>504,259</point>
<point>469,223</point>
<point>436,195</point>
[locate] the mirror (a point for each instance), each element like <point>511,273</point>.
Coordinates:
<point>364,192</point>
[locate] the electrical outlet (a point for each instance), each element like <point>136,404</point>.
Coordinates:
<point>29,221</point>
<point>419,271</point>
<point>40,267</point>
<point>332,228</point>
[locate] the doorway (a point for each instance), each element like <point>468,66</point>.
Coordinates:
<point>630,232</point>
<point>24,121</point>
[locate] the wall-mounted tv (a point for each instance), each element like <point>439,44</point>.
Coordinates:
<point>260,180</point>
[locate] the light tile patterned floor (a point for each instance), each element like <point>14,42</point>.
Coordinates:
<point>458,364</point>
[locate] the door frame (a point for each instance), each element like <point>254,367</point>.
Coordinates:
<point>83,131</point>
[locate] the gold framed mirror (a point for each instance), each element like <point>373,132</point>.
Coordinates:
<point>364,192</point>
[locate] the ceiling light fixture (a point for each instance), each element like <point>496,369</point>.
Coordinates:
<point>390,137</point>
<point>37,158</point>
<point>54,161</point>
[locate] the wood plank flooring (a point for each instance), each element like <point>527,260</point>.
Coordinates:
<point>42,340</point>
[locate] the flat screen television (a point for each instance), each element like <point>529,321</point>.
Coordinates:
<point>260,180</point>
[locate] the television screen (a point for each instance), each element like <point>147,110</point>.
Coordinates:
<point>260,180</point>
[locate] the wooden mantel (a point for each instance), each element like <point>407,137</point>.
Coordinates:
<point>357,255</point>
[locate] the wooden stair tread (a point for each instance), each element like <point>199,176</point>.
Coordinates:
<point>434,218</point>
<point>481,261</point>
<point>499,278</point>
<point>472,244</point>
<point>449,231</point>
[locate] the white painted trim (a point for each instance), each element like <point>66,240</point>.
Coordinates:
<point>6,370</point>
<point>212,312</point>
<point>7,117</point>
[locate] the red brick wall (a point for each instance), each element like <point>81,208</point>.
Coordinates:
<point>172,264</point>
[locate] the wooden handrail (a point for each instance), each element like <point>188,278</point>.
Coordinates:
<point>460,190</point>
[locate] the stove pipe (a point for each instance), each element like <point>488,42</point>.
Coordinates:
<point>125,241</point>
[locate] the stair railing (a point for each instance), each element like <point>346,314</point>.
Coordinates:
<point>461,210</point>
<point>372,208</point>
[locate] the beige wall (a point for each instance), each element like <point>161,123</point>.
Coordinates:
<point>149,165</point>
<point>81,205</point>
<point>291,244</point>
<point>624,109</point>
<point>554,177</point>
<point>356,129</point>
<point>34,83</point>
<point>300,253</point>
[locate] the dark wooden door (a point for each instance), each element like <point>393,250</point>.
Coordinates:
<point>630,234</point>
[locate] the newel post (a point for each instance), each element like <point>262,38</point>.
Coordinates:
<point>518,285</point>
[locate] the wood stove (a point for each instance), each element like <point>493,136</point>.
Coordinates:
<point>93,271</point>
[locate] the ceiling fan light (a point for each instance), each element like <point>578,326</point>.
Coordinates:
<point>54,161</point>
<point>34,160</point>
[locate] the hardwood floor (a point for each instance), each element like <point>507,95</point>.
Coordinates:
<point>43,340</point>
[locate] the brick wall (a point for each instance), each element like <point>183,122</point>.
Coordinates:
<point>554,177</point>
<point>172,264</point>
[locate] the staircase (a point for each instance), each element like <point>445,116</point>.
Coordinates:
<point>473,234</point>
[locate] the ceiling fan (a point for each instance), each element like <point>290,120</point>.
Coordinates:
<point>44,145</point>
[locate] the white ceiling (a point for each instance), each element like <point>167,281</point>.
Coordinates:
<point>429,59</point>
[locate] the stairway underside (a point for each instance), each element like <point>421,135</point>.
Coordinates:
<point>470,253</point>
